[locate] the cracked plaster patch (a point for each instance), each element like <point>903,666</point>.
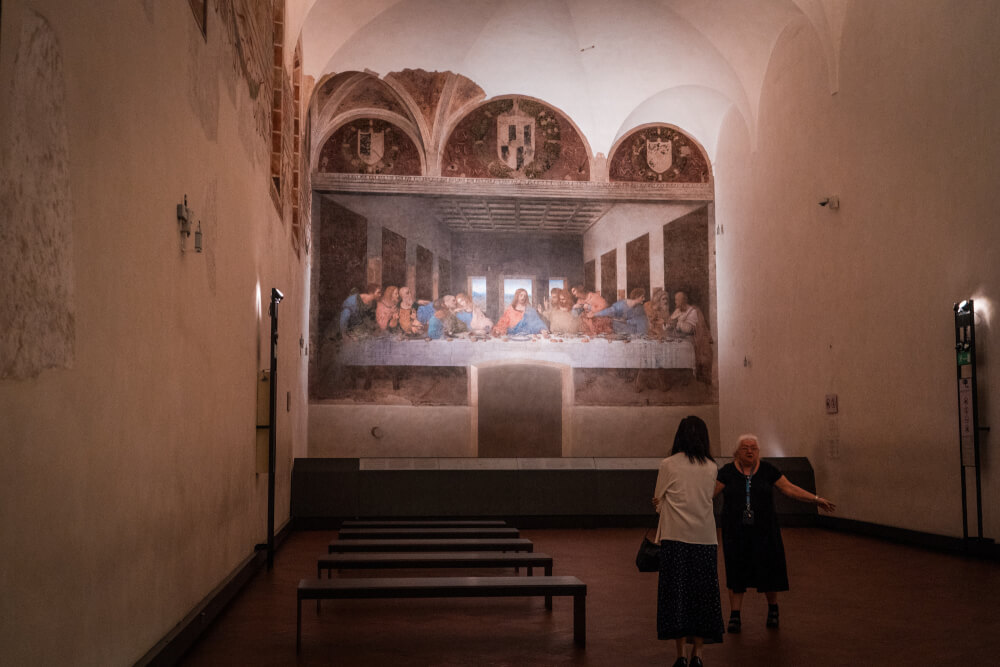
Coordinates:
<point>37,321</point>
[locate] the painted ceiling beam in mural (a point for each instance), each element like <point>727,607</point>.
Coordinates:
<point>323,182</point>
<point>518,215</point>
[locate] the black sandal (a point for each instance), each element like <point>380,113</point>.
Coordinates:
<point>772,616</point>
<point>734,623</point>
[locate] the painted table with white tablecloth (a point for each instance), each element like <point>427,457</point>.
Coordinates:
<point>575,352</point>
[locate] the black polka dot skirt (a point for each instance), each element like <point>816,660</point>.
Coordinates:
<point>688,602</point>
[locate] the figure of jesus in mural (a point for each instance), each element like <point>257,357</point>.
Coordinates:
<point>520,318</point>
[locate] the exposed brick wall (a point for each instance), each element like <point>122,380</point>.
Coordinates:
<point>248,25</point>
<point>256,33</point>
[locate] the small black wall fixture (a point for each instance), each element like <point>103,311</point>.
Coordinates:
<point>272,440</point>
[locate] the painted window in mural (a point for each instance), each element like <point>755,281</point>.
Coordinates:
<point>512,285</point>
<point>477,291</point>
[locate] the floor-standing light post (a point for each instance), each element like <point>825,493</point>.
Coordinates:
<point>968,417</point>
<point>272,439</point>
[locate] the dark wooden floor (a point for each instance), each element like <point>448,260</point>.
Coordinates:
<point>854,600</point>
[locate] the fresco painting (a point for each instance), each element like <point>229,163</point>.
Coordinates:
<point>411,308</point>
<point>488,302</point>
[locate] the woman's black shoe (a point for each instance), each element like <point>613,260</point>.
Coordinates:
<point>681,662</point>
<point>772,616</point>
<point>696,662</point>
<point>734,624</point>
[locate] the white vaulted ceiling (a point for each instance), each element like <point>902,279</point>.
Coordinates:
<point>610,66</point>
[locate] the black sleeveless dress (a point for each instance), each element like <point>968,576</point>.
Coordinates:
<point>754,555</point>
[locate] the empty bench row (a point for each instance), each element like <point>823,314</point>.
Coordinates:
<point>447,587</point>
<point>437,544</point>
<point>423,523</point>
<point>403,533</point>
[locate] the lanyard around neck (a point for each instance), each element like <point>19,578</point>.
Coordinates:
<point>748,478</point>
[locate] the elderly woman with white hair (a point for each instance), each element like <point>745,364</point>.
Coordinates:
<point>751,537</point>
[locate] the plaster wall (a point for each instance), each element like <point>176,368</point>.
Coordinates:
<point>858,301</point>
<point>635,432</point>
<point>345,431</point>
<point>136,461</point>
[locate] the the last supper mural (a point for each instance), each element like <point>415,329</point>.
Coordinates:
<point>403,324</point>
<point>415,295</point>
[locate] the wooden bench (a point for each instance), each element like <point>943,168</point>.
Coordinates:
<point>442,559</point>
<point>432,559</point>
<point>429,533</point>
<point>447,587</point>
<point>498,544</point>
<point>422,523</point>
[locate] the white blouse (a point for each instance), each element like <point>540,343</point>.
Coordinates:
<point>685,491</point>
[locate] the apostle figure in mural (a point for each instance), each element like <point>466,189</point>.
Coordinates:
<point>627,316</point>
<point>445,320</point>
<point>408,322</point>
<point>425,311</point>
<point>657,313</point>
<point>587,304</point>
<point>561,317</point>
<point>520,318</point>
<point>357,313</point>
<point>387,310</point>
<point>471,316</point>
<point>688,321</point>
<point>550,305</point>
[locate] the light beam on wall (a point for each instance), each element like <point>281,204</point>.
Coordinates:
<point>984,308</point>
<point>258,310</point>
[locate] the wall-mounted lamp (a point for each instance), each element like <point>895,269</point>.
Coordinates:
<point>184,218</point>
<point>184,215</point>
<point>833,202</point>
<point>965,311</point>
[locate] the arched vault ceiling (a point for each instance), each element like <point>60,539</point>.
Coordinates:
<point>610,66</point>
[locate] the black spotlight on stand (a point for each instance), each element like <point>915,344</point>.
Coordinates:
<point>968,420</point>
<point>272,439</point>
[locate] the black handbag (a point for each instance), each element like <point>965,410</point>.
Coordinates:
<point>648,558</point>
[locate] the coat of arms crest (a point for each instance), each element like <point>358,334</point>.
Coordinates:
<point>371,145</point>
<point>516,138</point>
<point>659,155</point>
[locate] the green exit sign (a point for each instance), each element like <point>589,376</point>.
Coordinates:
<point>964,358</point>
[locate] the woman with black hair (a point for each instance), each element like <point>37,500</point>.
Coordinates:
<point>688,605</point>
